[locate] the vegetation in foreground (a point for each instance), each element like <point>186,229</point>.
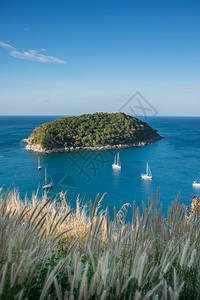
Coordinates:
<point>49,251</point>
<point>94,130</point>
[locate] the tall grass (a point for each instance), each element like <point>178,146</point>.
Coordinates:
<point>48,251</point>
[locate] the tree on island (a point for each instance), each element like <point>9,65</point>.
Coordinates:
<point>92,130</point>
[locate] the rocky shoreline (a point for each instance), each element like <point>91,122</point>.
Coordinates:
<point>37,149</point>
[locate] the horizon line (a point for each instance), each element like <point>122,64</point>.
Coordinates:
<point>58,115</point>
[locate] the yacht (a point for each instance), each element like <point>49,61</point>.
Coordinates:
<point>148,174</point>
<point>47,185</point>
<point>39,165</point>
<point>196,183</point>
<point>117,164</point>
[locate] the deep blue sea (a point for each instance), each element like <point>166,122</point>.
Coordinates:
<point>174,162</point>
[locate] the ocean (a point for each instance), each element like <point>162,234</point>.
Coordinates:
<point>174,162</point>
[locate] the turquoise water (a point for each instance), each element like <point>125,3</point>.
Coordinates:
<point>174,162</point>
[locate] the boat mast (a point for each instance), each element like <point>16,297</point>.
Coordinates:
<point>45,179</point>
<point>197,180</point>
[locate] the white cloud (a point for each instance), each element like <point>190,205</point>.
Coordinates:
<point>7,46</point>
<point>31,55</point>
<point>35,56</point>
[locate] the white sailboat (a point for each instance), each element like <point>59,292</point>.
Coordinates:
<point>39,165</point>
<point>116,165</point>
<point>47,185</point>
<point>148,174</point>
<point>196,183</point>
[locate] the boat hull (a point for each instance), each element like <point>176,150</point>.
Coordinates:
<point>47,186</point>
<point>146,177</point>
<point>116,167</point>
<point>196,185</point>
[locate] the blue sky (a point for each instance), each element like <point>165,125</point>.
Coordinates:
<point>74,57</point>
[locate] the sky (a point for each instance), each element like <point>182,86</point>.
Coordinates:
<point>72,57</point>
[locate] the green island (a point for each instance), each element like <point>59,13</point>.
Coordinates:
<point>94,131</point>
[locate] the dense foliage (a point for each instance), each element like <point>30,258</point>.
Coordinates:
<point>92,130</point>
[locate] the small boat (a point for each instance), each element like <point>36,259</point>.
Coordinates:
<point>47,185</point>
<point>116,165</point>
<point>39,165</point>
<point>148,174</point>
<point>196,183</point>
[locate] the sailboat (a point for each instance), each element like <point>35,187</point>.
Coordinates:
<point>116,165</point>
<point>148,174</point>
<point>47,185</point>
<point>196,183</point>
<point>39,165</point>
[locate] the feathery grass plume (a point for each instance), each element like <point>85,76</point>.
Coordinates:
<point>137,295</point>
<point>4,272</point>
<point>49,250</point>
<point>175,292</point>
<point>121,214</point>
<point>58,289</point>
<point>49,281</point>
<point>193,255</point>
<point>184,252</point>
<point>152,291</point>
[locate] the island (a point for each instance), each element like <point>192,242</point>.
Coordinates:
<point>96,131</point>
